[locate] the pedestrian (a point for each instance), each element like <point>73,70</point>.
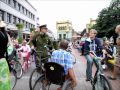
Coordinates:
<point>117,63</point>
<point>92,43</point>
<point>117,57</point>
<point>4,67</point>
<point>42,42</point>
<point>64,58</point>
<point>109,53</point>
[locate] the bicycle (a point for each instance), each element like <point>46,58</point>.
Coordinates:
<point>99,81</point>
<point>13,76</point>
<point>25,64</point>
<point>54,74</point>
<point>13,60</point>
<point>16,65</point>
<point>38,70</point>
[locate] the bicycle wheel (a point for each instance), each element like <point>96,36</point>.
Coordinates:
<point>102,84</point>
<point>67,85</point>
<point>39,84</point>
<point>33,77</point>
<point>18,69</point>
<point>13,77</point>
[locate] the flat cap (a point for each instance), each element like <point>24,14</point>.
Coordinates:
<point>43,26</point>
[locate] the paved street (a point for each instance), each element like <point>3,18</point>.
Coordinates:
<point>80,66</point>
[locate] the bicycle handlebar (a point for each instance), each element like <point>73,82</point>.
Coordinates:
<point>93,53</point>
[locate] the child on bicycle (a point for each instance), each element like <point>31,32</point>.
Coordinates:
<point>25,50</point>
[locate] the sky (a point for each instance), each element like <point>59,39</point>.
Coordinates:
<point>78,12</point>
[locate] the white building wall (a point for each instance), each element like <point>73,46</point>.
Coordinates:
<point>17,13</point>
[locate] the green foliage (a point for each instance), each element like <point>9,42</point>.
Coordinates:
<point>20,26</point>
<point>107,20</point>
<point>20,40</point>
<point>32,29</point>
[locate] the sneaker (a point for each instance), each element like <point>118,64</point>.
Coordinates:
<point>111,78</point>
<point>88,79</point>
<point>104,66</point>
<point>29,62</point>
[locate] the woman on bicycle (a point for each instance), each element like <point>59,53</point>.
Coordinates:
<point>4,68</point>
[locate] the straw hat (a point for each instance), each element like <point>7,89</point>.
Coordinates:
<point>2,24</point>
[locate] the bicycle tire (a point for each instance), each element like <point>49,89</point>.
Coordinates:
<point>39,81</point>
<point>104,84</point>
<point>67,85</point>
<point>19,70</point>
<point>13,75</point>
<point>31,78</point>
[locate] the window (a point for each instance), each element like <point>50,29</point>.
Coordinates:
<point>64,36</point>
<point>33,17</point>
<point>29,25</point>
<point>8,18</point>
<point>2,15</point>
<point>26,25</point>
<point>23,21</point>
<point>60,36</point>
<point>23,9</point>
<point>29,14</point>
<point>62,28</point>
<point>18,20</point>
<point>26,12</point>
<point>9,2</point>
<point>18,6</point>
<point>14,20</point>
<point>14,3</point>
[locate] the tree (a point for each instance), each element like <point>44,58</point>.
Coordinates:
<point>32,29</point>
<point>107,20</point>
<point>20,27</point>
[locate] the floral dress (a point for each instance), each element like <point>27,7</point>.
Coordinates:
<point>5,83</point>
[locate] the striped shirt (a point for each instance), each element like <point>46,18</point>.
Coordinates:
<point>63,58</point>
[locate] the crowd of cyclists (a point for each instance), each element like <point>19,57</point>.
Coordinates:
<point>41,43</point>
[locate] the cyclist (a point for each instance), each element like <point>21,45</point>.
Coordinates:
<point>91,44</point>
<point>4,69</point>
<point>40,40</point>
<point>65,59</point>
<point>25,50</point>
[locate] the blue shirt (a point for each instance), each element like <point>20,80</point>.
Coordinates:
<point>63,58</point>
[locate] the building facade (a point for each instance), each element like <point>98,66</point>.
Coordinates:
<point>13,12</point>
<point>90,24</point>
<point>64,30</point>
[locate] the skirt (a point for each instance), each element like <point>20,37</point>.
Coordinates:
<point>5,83</point>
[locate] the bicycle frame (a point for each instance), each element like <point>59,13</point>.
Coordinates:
<point>99,71</point>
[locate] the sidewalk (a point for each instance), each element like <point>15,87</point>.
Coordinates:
<point>80,71</point>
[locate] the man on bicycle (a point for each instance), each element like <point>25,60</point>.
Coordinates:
<point>65,59</point>
<point>40,41</point>
<point>91,44</point>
